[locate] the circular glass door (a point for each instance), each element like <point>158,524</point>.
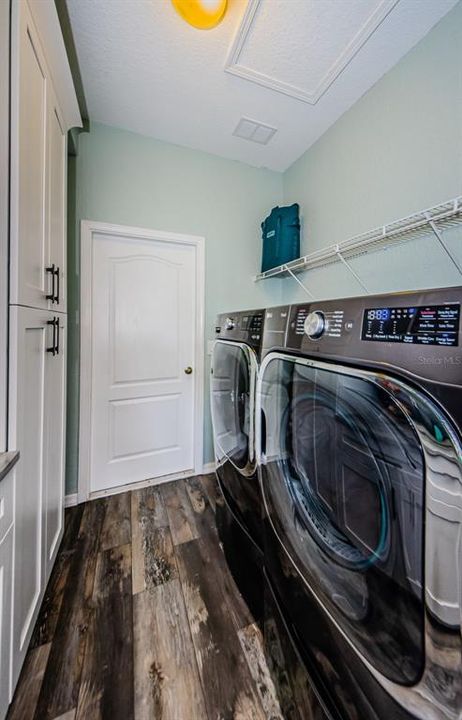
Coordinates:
<point>342,477</point>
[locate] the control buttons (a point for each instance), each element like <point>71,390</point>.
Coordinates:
<point>314,324</point>
<point>229,324</point>
<point>256,323</point>
<point>300,321</point>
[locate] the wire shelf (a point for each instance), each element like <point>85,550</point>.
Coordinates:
<point>435,220</point>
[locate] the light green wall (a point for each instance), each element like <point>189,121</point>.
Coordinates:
<point>397,151</point>
<point>129,179</point>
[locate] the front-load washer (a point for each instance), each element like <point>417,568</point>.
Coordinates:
<point>235,361</point>
<point>359,417</point>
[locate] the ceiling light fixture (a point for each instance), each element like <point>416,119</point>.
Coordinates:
<point>202,14</point>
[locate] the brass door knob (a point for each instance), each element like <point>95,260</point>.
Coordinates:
<point>188,370</point>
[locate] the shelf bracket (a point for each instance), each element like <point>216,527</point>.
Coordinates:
<point>441,241</point>
<point>348,266</point>
<point>292,274</point>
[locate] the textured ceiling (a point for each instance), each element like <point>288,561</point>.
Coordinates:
<point>314,42</point>
<point>294,65</point>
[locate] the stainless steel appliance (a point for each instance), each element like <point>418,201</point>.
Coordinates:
<point>235,360</point>
<point>359,409</point>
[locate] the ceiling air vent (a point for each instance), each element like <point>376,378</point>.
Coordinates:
<point>254,131</point>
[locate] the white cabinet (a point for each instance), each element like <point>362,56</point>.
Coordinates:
<point>56,206</point>
<point>6,574</point>
<point>4,214</point>
<point>30,338</point>
<point>37,427</point>
<point>43,108</point>
<point>38,175</point>
<point>29,281</point>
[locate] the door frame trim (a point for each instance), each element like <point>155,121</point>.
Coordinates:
<point>87,230</point>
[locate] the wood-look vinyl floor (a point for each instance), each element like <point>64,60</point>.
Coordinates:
<point>141,618</point>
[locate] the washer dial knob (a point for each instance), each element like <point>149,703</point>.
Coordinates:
<point>229,324</point>
<point>315,324</point>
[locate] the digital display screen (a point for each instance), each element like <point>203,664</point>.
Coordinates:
<point>379,314</point>
<point>425,325</point>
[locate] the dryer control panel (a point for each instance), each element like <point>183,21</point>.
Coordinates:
<point>276,320</point>
<point>241,326</point>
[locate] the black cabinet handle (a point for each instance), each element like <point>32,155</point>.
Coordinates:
<point>52,349</point>
<point>56,272</point>
<point>57,336</point>
<point>51,269</point>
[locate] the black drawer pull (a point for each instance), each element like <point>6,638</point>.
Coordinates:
<point>56,272</point>
<point>52,349</point>
<point>51,269</point>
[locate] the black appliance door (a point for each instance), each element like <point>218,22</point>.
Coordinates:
<point>233,380</point>
<point>342,473</point>
<point>232,396</point>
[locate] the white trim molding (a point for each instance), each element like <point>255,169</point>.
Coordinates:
<point>71,500</point>
<point>46,21</point>
<point>140,484</point>
<point>87,229</point>
<point>234,66</point>
<point>208,468</point>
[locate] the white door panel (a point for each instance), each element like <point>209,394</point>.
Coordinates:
<point>6,575</point>
<point>144,425</point>
<point>29,282</point>
<point>30,338</point>
<point>143,338</point>
<point>56,203</point>
<point>54,447</point>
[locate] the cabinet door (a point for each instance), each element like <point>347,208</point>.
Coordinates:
<point>56,202</point>
<point>30,282</point>
<point>6,567</point>
<point>55,423</point>
<point>29,339</point>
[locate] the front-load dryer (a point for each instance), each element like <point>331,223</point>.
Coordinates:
<point>359,439</point>
<point>235,362</point>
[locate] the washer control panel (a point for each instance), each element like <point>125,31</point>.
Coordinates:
<point>317,323</point>
<point>419,332</point>
<point>424,325</point>
<point>314,324</point>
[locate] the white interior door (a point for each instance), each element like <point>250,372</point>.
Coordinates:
<point>143,340</point>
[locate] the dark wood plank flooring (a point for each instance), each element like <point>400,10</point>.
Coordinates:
<point>142,620</point>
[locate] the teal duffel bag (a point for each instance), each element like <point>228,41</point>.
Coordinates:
<point>281,236</point>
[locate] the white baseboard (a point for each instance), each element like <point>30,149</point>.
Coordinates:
<point>71,500</point>
<point>208,468</point>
